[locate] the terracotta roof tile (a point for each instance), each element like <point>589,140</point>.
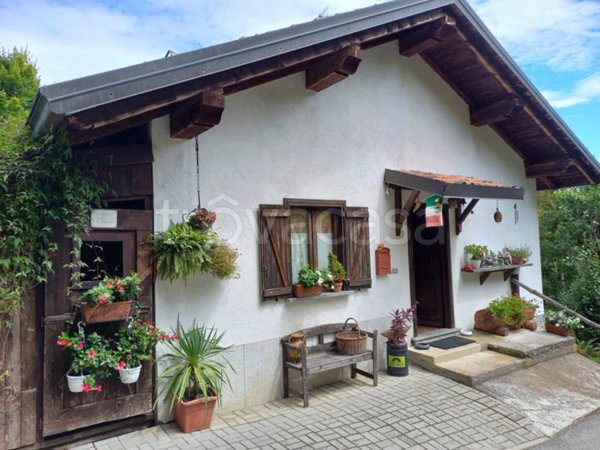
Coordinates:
<point>457,179</point>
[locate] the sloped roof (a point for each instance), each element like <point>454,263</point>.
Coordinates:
<point>468,58</point>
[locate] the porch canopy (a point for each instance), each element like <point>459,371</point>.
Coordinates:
<point>454,186</point>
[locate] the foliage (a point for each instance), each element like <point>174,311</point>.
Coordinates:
<point>589,348</point>
<point>309,277</point>
<point>336,268</point>
<point>201,219</point>
<point>114,290</point>
<point>519,252</point>
<point>401,320</point>
<point>182,251</point>
<point>197,367</point>
<point>562,319</point>
<point>89,355</point>
<point>512,310</point>
<point>476,251</point>
<point>136,343</point>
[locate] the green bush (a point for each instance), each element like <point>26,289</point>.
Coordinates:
<point>512,310</point>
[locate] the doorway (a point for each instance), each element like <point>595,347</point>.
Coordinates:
<point>429,261</point>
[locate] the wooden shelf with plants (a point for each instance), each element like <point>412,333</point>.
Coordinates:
<point>485,272</point>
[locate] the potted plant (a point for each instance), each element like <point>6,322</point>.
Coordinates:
<point>310,282</point>
<point>337,271</point>
<point>561,323</point>
<point>194,378</point>
<point>133,345</point>
<point>512,310</point>
<point>201,219</point>
<point>397,348</point>
<point>519,255</point>
<point>476,253</point>
<point>90,359</point>
<point>110,300</point>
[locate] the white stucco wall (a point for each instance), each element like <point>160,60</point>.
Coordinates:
<point>281,140</point>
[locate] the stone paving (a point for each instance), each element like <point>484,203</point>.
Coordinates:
<point>421,411</point>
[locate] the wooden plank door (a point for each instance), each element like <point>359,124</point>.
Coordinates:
<point>63,411</point>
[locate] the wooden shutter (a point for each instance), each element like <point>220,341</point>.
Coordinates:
<point>358,252</point>
<point>275,252</point>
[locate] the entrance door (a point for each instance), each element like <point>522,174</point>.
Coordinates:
<point>430,283</point>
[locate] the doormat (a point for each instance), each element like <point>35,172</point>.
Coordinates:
<point>451,342</point>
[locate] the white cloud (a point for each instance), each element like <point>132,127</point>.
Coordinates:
<point>585,91</point>
<point>563,34</point>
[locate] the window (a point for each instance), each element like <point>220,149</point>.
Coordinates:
<point>305,232</point>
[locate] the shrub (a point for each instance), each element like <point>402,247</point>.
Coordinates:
<point>512,310</point>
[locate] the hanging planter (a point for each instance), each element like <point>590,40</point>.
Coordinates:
<point>130,376</point>
<point>109,312</point>
<point>111,300</point>
<point>75,383</point>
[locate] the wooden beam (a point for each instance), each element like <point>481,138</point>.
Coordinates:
<point>333,69</point>
<point>545,169</point>
<point>496,112</point>
<point>421,38</point>
<point>402,212</point>
<point>460,216</point>
<point>198,115</point>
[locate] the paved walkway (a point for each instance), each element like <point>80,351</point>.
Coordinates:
<point>421,411</point>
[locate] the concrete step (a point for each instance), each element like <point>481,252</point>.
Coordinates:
<point>479,367</point>
<point>534,346</point>
<point>432,356</point>
<point>434,335</point>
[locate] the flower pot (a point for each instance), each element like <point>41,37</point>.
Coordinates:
<point>109,312</point>
<point>518,260</point>
<point>297,340</point>
<point>397,360</point>
<point>337,287</point>
<point>129,376</point>
<point>194,415</point>
<point>475,263</point>
<point>75,382</point>
<point>557,329</point>
<point>301,291</point>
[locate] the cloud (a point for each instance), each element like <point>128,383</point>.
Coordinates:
<point>586,91</point>
<point>562,34</point>
<point>74,38</point>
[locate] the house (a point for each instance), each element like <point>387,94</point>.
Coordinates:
<point>337,129</point>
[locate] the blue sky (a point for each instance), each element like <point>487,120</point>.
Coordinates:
<point>555,42</point>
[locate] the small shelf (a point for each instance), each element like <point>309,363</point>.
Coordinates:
<point>323,296</point>
<point>485,272</point>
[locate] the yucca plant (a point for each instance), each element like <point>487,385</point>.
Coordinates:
<point>197,368</point>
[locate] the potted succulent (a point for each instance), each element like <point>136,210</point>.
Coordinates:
<point>110,300</point>
<point>337,271</point>
<point>133,345</point>
<point>476,253</point>
<point>397,348</point>
<point>196,373</point>
<point>310,282</point>
<point>519,255</point>
<point>561,322</point>
<point>90,359</point>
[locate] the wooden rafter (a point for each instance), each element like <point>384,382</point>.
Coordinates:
<point>424,37</point>
<point>497,111</point>
<point>402,212</point>
<point>198,115</point>
<point>333,69</point>
<point>549,168</point>
<point>460,216</point>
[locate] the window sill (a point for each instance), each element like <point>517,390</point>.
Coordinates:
<point>323,296</point>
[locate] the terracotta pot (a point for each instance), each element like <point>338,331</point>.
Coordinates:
<point>518,260</point>
<point>109,312</point>
<point>301,291</point>
<point>337,287</point>
<point>297,340</point>
<point>557,329</point>
<point>195,415</point>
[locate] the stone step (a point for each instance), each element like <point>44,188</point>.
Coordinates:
<point>534,346</point>
<point>479,367</point>
<point>432,356</point>
<point>434,335</point>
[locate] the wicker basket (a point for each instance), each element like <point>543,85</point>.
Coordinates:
<point>351,342</point>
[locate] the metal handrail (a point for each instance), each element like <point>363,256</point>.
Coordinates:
<point>555,303</point>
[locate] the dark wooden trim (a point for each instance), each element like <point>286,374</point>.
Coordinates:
<point>498,111</point>
<point>198,115</point>
<point>333,69</point>
<point>311,203</point>
<point>460,216</point>
<point>118,155</point>
<point>424,37</point>
<point>550,168</point>
<point>403,211</point>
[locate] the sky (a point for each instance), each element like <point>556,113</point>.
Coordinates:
<point>555,42</point>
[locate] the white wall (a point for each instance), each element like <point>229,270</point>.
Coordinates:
<point>281,140</point>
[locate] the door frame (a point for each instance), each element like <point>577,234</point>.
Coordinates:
<point>449,297</point>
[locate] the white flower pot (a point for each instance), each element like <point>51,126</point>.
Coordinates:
<point>129,376</point>
<point>75,382</point>
<point>476,263</point>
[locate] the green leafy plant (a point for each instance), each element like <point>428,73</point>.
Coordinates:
<point>401,320</point>
<point>223,261</point>
<point>113,290</point>
<point>589,348</point>
<point>476,251</point>
<point>309,277</point>
<point>563,319</point>
<point>136,343</point>
<point>336,268</point>
<point>512,310</point>
<point>197,367</point>
<point>523,252</point>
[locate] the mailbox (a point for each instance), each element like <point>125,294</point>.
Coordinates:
<point>383,265</point>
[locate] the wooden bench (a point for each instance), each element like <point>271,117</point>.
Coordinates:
<point>323,356</point>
